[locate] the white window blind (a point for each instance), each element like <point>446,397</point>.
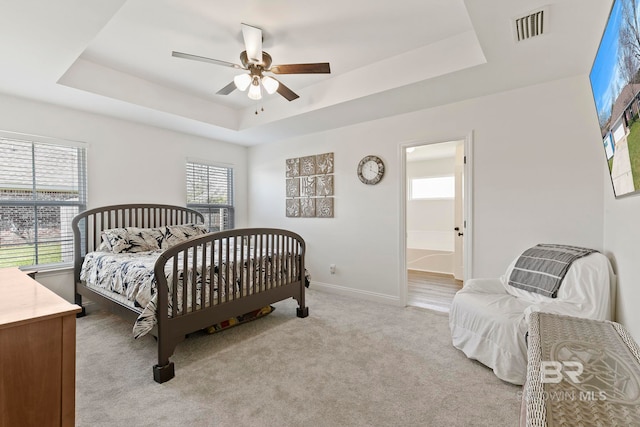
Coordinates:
<point>42,187</point>
<point>210,191</point>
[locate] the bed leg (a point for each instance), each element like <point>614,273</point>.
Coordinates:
<point>78,301</point>
<point>162,374</point>
<point>302,310</point>
<point>164,370</point>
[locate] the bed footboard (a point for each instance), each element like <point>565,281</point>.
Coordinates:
<point>215,277</point>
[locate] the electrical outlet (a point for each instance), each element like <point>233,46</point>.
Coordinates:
<point>332,268</point>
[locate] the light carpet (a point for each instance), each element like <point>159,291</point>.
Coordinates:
<point>350,363</point>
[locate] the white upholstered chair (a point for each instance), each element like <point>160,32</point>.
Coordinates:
<point>489,317</point>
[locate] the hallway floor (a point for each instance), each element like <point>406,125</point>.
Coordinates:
<point>431,290</point>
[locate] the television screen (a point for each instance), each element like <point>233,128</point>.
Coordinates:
<point>615,83</point>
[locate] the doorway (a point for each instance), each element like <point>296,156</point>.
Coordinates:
<point>435,222</point>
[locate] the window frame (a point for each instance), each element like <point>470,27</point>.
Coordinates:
<point>207,209</point>
<point>66,239</point>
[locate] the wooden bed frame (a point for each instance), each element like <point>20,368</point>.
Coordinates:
<point>285,277</point>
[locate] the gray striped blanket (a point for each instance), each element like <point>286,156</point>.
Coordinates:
<point>541,268</point>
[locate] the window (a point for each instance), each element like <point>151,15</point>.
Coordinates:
<point>210,191</point>
<point>441,187</point>
<point>42,187</point>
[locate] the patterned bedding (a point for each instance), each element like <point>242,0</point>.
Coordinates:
<point>130,276</point>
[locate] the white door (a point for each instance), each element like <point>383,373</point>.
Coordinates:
<point>459,221</point>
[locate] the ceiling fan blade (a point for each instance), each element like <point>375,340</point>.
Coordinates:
<point>205,59</point>
<point>252,42</point>
<point>317,68</point>
<point>286,92</point>
<point>227,89</point>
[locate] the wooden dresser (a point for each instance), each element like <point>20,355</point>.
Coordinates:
<point>37,354</point>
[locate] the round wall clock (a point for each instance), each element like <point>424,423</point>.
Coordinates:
<point>371,170</point>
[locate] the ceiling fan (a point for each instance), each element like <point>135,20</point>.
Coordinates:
<point>258,62</point>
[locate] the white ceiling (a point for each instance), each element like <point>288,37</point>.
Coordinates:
<point>113,57</point>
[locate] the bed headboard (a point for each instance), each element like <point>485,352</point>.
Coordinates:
<point>88,225</point>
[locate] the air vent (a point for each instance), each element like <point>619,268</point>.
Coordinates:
<point>530,26</point>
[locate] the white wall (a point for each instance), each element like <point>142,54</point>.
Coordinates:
<point>127,162</point>
<point>622,241</point>
<point>537,178</point>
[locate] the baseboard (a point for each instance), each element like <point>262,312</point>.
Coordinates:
<point>356,293</point>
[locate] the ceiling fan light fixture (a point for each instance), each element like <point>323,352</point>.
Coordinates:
<point>256,61</point>
<point>254,91</point>
<point>242,81</point>
<point>270,84</point>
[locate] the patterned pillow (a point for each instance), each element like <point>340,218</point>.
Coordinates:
<point>132,239</point>
<point>104,245</point>
<point>175,234</point>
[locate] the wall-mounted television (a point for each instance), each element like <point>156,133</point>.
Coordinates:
<point>615,83</point>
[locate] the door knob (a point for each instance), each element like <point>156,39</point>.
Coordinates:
<point>458,230</point>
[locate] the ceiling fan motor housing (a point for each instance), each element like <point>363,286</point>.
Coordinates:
<point>264,64</point>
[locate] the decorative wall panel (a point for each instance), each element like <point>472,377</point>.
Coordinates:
<point>310,186</point>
